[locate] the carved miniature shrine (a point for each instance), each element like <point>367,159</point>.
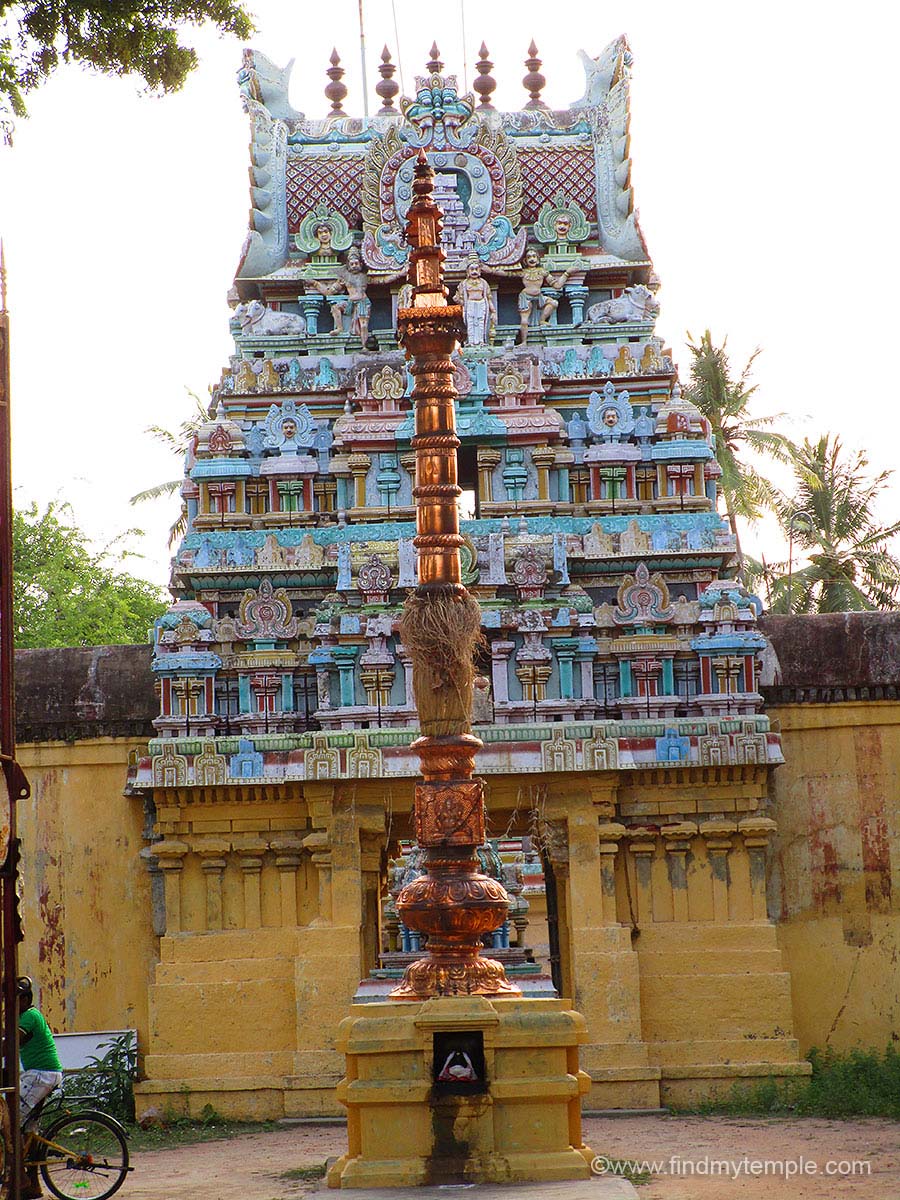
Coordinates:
<point>616,695</point>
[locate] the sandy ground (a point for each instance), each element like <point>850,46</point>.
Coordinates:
<point>254,1167</point>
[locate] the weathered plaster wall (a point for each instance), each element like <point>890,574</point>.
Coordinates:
<point>835,877</point>
<point>834,887</point>
<point>86,900</point>
<point>87,908</point>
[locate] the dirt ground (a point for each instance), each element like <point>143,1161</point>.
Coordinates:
<point>724,1151</point>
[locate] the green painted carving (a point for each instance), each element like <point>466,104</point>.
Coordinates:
<point>561,222</point>
<point>323,233</point>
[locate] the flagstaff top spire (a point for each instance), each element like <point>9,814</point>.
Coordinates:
<point>425,223</point>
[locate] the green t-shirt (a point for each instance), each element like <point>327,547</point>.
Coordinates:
<point>39,1052</point>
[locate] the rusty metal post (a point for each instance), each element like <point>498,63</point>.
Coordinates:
<point>16,786</point>
<point>453,903</point>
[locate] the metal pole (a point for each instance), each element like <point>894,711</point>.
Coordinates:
<point>806,516</point>
<point>16,784</point>
<point>362,55</point>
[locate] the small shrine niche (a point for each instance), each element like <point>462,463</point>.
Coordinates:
<point>458,1063</point>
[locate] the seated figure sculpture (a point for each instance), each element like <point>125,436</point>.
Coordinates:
<point>348,287</point>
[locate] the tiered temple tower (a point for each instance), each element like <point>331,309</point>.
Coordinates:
<point>617,694</point>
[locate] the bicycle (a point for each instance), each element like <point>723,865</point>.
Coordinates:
<point>81,1155</point>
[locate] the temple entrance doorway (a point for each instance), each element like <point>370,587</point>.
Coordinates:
<point>553,940</point>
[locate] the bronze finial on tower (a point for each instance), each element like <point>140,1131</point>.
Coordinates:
<point>485,84</point>
<point>434,66</point>
<point>387,89</point>
<point>335,91</point>
<point>453,903</point>
<point>534,81</point>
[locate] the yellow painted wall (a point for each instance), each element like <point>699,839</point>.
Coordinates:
<point>299,867</point>
<point>834,887</point>
<point>89,941</point>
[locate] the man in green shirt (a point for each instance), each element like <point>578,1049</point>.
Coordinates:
<point>41,1071</point>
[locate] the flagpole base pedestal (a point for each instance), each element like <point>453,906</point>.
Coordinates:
<point>462,1089</point>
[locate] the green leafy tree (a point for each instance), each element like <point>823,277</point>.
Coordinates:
<point>118,37</point>
<point>725,402</point>
<point>66,594</point>
<point>850,566</point>
<point>179,443</point>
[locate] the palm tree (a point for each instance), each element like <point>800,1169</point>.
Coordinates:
<point>179,443</point>
<point>850,566</point>
<point>724,401</point>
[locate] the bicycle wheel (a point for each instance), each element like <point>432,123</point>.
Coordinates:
<point>88,1157</point>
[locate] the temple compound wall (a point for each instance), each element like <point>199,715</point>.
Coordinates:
<point>235,942</point>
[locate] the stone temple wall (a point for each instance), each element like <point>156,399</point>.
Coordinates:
<point>268,922</point>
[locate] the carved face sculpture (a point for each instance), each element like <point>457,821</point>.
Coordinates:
<point>354,259</point>
<point>288,429</point>
<point>532,257</point>
<point>562,226</point>
<point>610,417</point>
<point>324,236</point>
<point>473,270</point>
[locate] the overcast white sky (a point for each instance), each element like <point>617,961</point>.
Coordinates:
<point>764,146</point>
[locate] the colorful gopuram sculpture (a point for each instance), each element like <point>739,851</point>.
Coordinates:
<point>595,548</point>
<point>620,661</point>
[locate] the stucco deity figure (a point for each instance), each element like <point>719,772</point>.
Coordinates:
<point>325,238</point>
<point>474,294</point>
<point>562,226</point>
<point>532,298</point>
<point>562,223</point>
<point>348,287</point>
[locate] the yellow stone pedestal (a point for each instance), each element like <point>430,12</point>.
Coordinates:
<point>404,1132</point>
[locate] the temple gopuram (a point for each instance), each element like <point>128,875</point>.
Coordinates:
<point>626,759</point>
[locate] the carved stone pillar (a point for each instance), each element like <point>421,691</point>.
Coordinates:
<point>677,843</point>
<point>642,844</point>
<point>578,295</point>
<point>718,836</point>
<point>170,856</point>
<point>543,458</point>
<point>564,460</point>
<point>406,664</point>
<point>311,303</point>
<point>359,464</point>
<point>566,649</point>
<point>500,652</point>
<point>534,677</point>
<point>587,652</point>
<point>319,847</point>
<point>611,835</point>
<point>408,463</point>
<point>488,459</point>
<point>756,832</point>
<point>251,859</point>
<point>288,856</point>
<point>212,864</point>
